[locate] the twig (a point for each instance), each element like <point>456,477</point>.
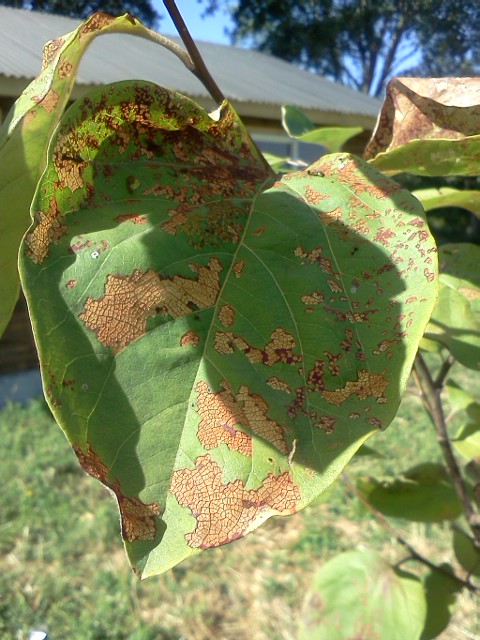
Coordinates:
<point>414,554</point>
<point>431,398</point>
<point>198,67</point>
<point>444,371</point>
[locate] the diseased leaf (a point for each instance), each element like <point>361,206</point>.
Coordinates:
<point>466,552</point>
<point>440,591</point>
<point>215,352</point>
<point>298,125</point>
<point>26,133</point>
<point>455,321</point>
<point>358,595</point>
<point>428,126</point>
<point>424,493</point>
<point>449,197</point>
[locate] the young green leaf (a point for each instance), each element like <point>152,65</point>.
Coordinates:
<point>460,400</point>
<point>25,136</point>
<point>440,591</point>
<point>455,321</point>
<point>215,352</point>
<point>358,595</point>
<point>447,197</point>
<point>428,126</point>
<point>423,494</point>
<point>467,554</point>
<point>298,125</point>
<point>467,439</point>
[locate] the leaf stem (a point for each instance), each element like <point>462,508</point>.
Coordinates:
<point>414,554</point>
<point>430,392</point>
<point>197,65</point>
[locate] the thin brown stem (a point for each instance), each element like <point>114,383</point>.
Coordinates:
<point>431,397</point>
<point>443,372</point>
<point>414,554</point>
<point>199,68</point>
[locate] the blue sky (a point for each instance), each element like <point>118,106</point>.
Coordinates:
<point>209,28</point>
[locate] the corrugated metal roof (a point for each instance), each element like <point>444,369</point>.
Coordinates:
<point>244,75</point>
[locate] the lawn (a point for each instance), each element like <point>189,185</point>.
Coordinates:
<point>63,568</point>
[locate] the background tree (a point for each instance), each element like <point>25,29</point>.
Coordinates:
<point>142,9</point>
<point>362,43</point>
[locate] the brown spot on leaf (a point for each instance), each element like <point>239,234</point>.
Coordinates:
<point>312,196</point>
<point>315,377</point>
<point>385,345</point>
<point>368,385</point>
<point>226,315</point>
<point>48,230</point>
<point>279,349</point>
<point>50,51</point>
<point>96,22</point>
<point>335,285</point>
<point>138,518</point>
<point>48,101</point>
<point>326,423</point>
<point>255,409</point>
<point>190,338</point>
<point>220,414</point>
<point>278,385</point>
<point>316,297</point>
<point>384,236</point>
<point>65,69</point>
<point>226,512</point>
<point>120,316</point>
<point>238,268</point>
<point>136,218</point>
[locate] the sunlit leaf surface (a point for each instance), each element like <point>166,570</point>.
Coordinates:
<point>215,346</point>
<point>298,125</point>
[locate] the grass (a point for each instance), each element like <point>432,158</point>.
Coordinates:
<point>62,565</point>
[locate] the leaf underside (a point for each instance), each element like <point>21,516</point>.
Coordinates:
<point>428,126</point>
<point>216,347</point>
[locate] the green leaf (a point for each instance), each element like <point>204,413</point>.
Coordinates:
<point>455,321</point>
<point>298,125</point>
<point>466,552</point>
<point>467,440</point>
<point>358,595</point>
<point>365,450</point>
<point>428,126</point>
<point>440,591</point>
<point>448,197</point>
<point>277,163</point>
<point>459,399</point>
<point>424,493</point>
<point>25,136</point>
<point>215,352</point>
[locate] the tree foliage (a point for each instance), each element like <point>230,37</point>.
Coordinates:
<point>363,43</point>
<point>141,9</point>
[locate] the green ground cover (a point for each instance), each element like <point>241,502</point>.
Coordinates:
<point>62,564</point>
